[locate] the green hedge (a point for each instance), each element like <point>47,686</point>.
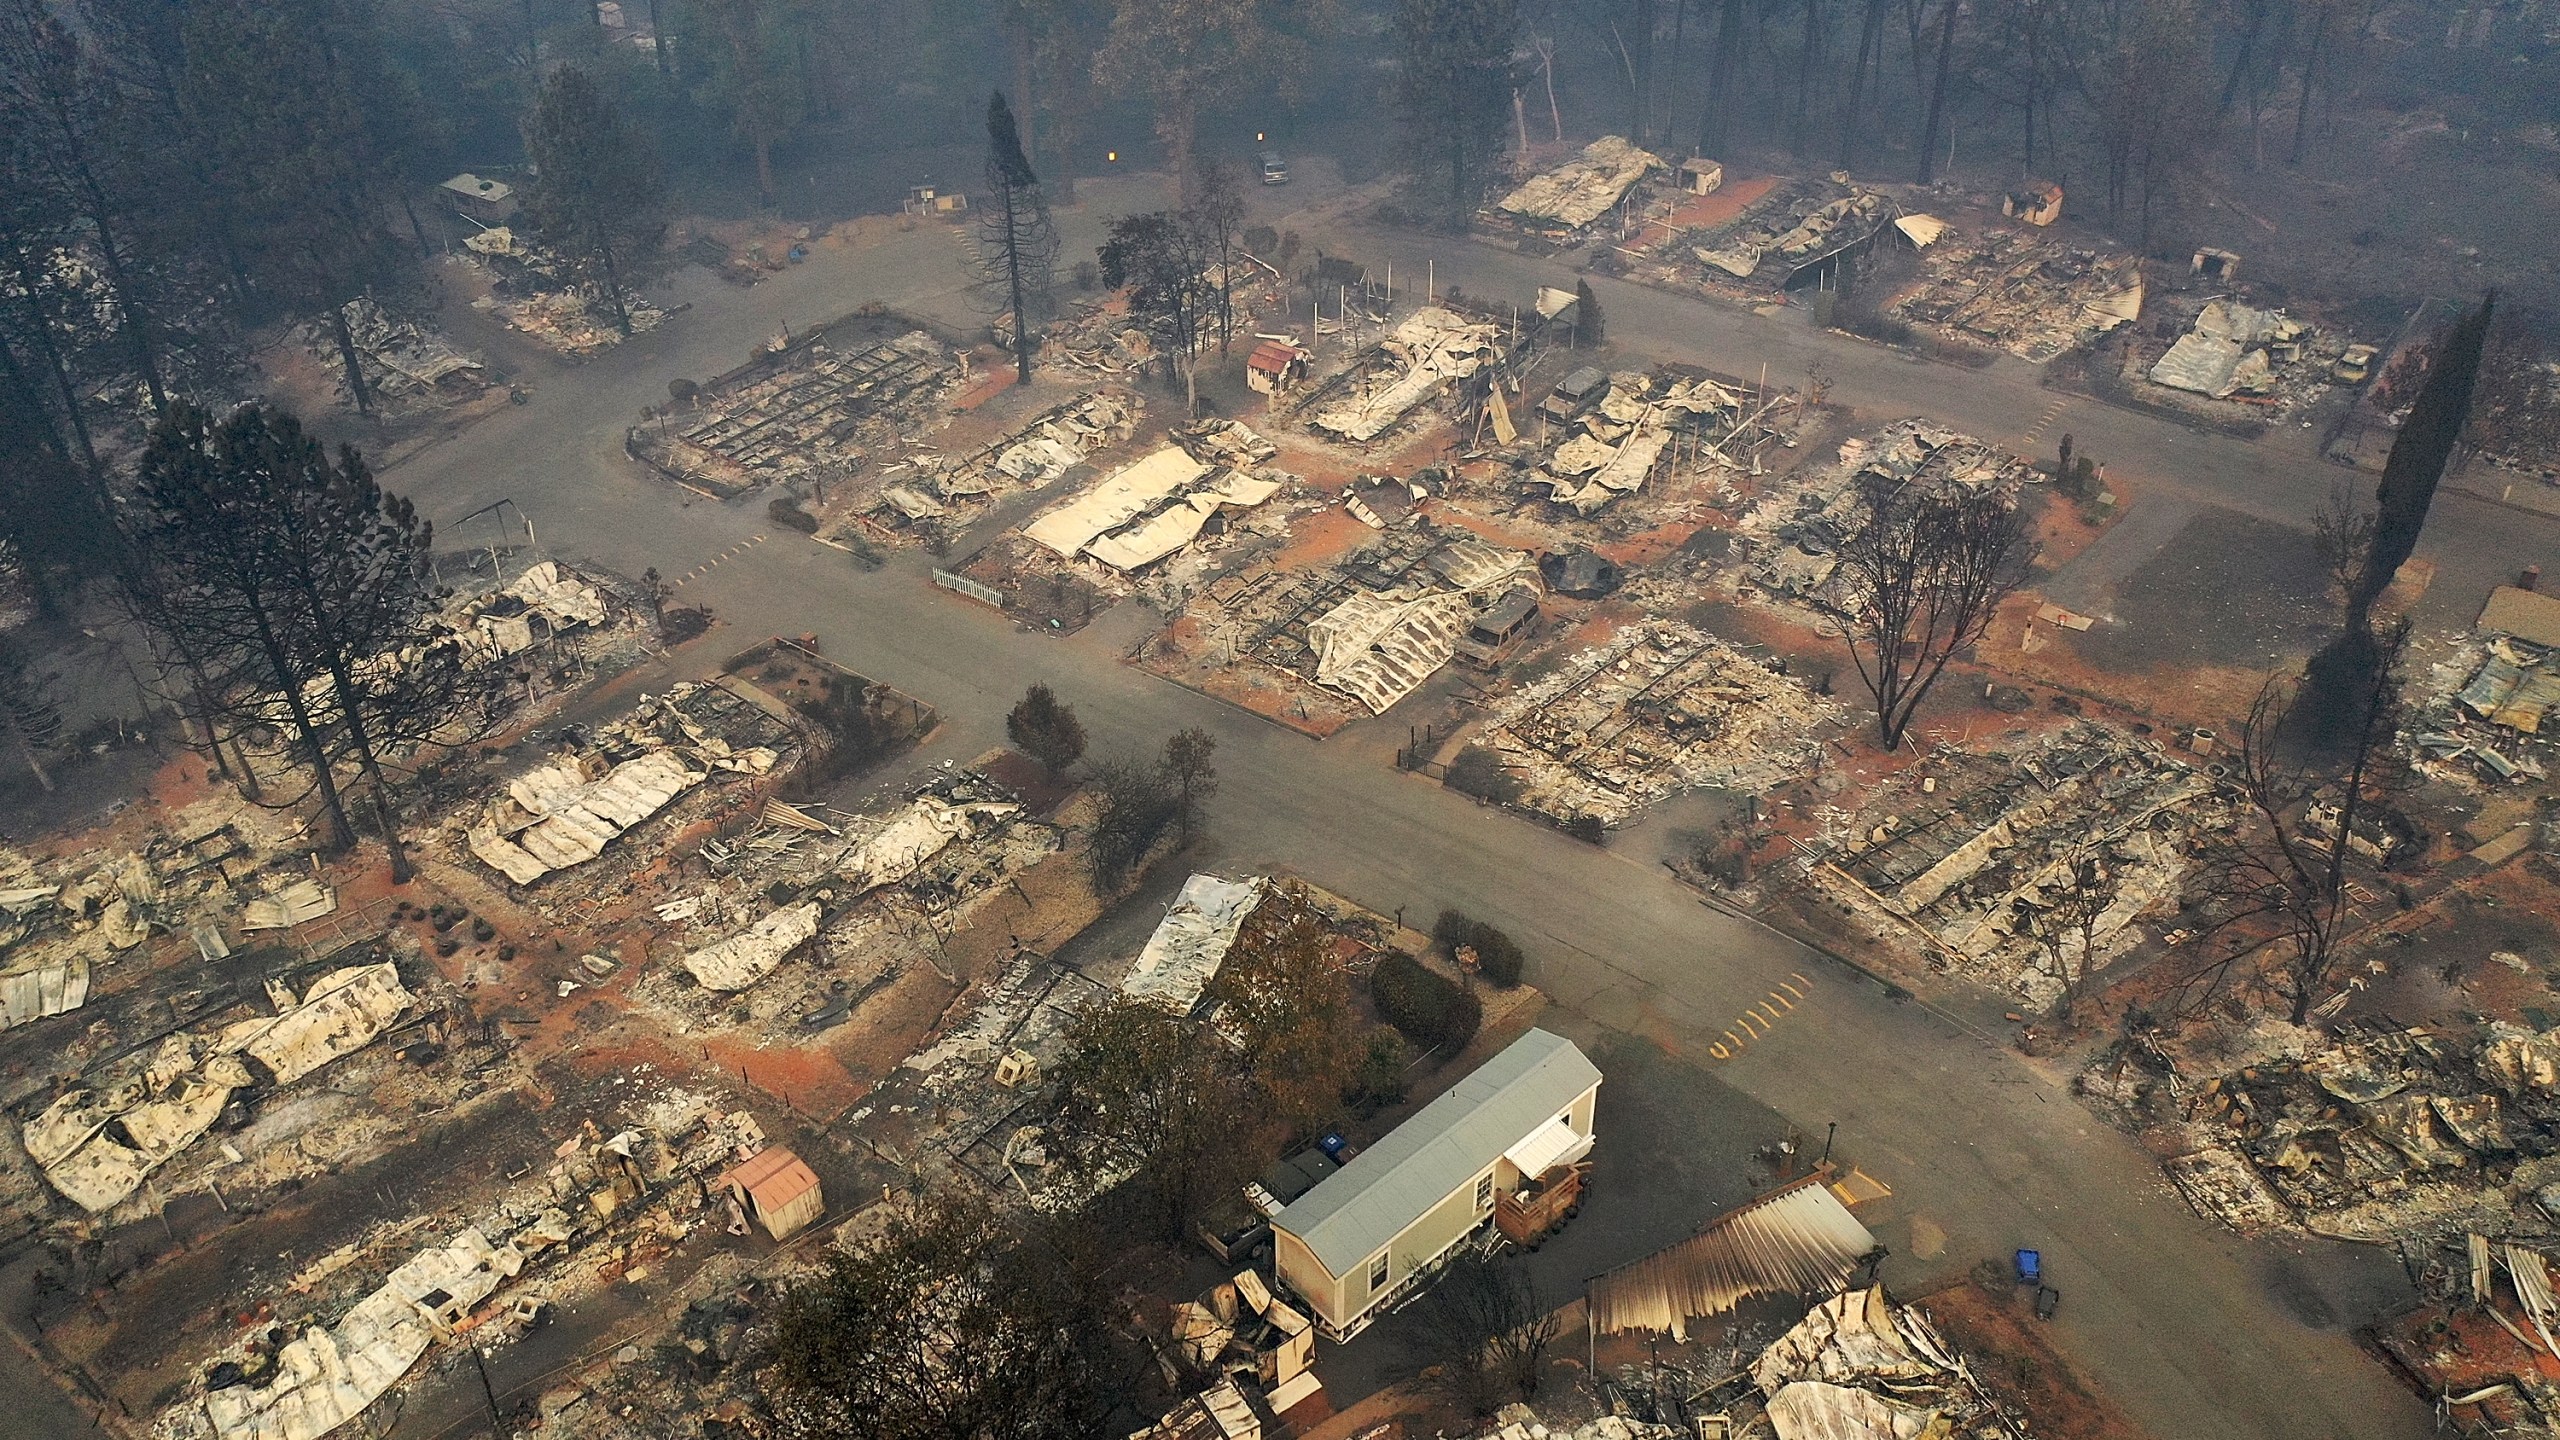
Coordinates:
<point>1498,957</point>
<point>1427,1009</point>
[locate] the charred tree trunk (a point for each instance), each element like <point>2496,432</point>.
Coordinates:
<point>1938,89</point>
<point>347,353</point>
<point>1711,125</point>
<point>1869,32</point>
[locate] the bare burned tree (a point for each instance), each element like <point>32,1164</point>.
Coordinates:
<point>2277,880</point>
<point>1921,575</point>
<point>2342,534</point>
<point>2067,929</point>
<point>1483,1333</point>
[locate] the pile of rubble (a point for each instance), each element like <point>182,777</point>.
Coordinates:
<point>99,1140</point>
<point>546,601</point>
<point>2231,349</point>
<point>1857,1365</point>
<point>404,362</point>
<point>806,412</point>
<point>1643,424</point>
<point>533,293</point>
<point>1659,709</point>
<point>1794,227</point>
<point>1798,529</point>
<point>1147,509</point>
<point>605,1207</point>
<point>565,811</point>
<point>2024,869</point>
<point>1425,353</point>
<point>1581,190</point>
<point>2021,291</point>
<point>2490,697</point>
<point>868,899</point>
<point>2385,1134</point>
<point>948,495</point>
<point>1369,625</point>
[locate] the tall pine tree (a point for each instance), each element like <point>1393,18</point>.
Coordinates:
<point>1453,90</point>
<point>596,195</point>
<point>1017,244</point>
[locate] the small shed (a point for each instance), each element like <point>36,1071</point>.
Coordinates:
<point>482,199</point>
<point>2037,204</point>
<point>1274,366</point>
<point>777,1190</point>
<point>929,200</point>
<point>1699,175</point>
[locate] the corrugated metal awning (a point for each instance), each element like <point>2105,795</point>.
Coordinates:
<point>1548,1146</point>
<point>1796,1240</point>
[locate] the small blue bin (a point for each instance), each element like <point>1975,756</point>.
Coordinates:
<point>2030,1266</point>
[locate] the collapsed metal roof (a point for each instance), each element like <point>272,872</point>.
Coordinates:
<point>1796,1240</point>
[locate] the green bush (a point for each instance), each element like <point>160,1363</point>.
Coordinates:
<point>1498,957</point>
<point>1452,930</point>
<point>1425,1008</point>
<point>1379,1082</point>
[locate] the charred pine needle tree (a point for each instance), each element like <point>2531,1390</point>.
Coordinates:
<point>304,590</point>
<point>1017,244</point>
<point>1921,575</point>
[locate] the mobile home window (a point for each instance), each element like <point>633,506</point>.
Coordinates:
<point>1378,1272</point>
<point>1484,1191</point>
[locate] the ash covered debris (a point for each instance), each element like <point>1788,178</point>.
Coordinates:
<point>2021,291</point>
<point>1859,1364</point>
<point>814,410</point>
<point>1426,353</point>
<point>1639,425</point>
<point>1801,226</point>
<point>564,812</point>
<point>99,1140</point>
<point>1658,709</point>
<point>947,495</point>
<point>1981,852</point>
<point>532,293</point>
<point>1798,528</point>
<point>2385,1133</point>
<point>1572,195</point>
<point>880,895</point>
<point>361,1328</point>
<point>2484,717</point>
<point>1146,510</point>
<point>1379,646</point>
<point>404,361</point>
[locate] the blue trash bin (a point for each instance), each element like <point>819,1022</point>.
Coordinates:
<point>2030,1266</point>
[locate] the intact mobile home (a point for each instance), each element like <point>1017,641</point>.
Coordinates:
<point>1356,1241</point>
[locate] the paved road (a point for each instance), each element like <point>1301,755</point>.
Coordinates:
<point>2172,1316</point>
